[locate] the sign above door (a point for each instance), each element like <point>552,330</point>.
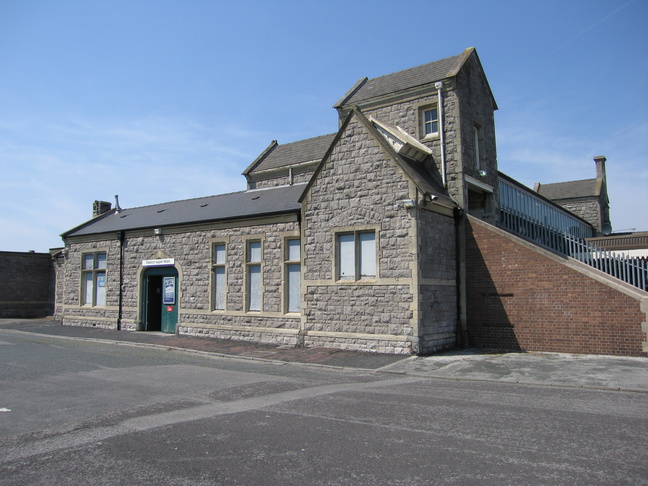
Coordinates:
<point>162,262</point>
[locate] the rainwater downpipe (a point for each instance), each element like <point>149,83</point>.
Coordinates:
<point>120,237</point>
<point>439,85</point>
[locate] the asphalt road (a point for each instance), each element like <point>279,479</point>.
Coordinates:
<point>82,412</point>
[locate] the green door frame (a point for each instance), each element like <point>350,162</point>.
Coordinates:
<point>160,299</point>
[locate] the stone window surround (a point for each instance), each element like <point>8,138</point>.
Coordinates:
<point>421,108</point>
<point>285,237</point>
<point>478,146</point>
<point>82,286</point>
<point>256,238</point>
<point>212,290</point>
<point>335,252</point>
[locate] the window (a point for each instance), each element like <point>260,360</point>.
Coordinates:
<point>253,273</point>
<point>429,121</point>
<point>292,269</point>
<point>477,141</point>
<point>356,255</point>
<point>93,278</point>
<point>219,257</point>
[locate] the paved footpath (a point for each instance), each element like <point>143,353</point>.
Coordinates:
<point>551,369</point>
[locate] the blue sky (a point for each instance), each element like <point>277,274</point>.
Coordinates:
<point>164,100</point>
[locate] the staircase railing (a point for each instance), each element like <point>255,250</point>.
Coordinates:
<point>630,269</point>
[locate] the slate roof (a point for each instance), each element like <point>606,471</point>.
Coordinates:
<point>276,156</point>
<point>236,205</point>
<point>403,80</point>
<point>570,190</point>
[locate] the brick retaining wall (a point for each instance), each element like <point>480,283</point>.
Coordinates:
<point>522,297</point>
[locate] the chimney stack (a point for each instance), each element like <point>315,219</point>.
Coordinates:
<point>600,167</point>
<point>100,207</point>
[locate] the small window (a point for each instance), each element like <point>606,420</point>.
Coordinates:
<point>356,255</point>
<point>477,143</point>
<point>253,273</point>
<point>219,258</point>
<point>292,269</point>
<point>429,121</point>
<point>93,279</point>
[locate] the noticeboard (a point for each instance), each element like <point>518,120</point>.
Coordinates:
<point>168,290</point>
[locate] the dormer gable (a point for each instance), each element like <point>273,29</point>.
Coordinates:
<point>285,164</point>
<point>401,141</point>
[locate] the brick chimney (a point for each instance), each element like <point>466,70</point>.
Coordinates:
<point>100,207</point>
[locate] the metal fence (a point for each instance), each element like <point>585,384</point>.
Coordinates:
<point>524,207</point>
<point>633,270</point>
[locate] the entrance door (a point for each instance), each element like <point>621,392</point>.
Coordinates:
<point>160,299</point>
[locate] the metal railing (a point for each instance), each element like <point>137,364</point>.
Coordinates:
<point>522,205</point>
<point>632,270</point>
<point>527,214</point>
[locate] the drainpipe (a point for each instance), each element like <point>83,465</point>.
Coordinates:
<point>439,85</point>
<point>120,236</point>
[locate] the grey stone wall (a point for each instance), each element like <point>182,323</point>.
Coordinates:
<point>71,311</point>
<point>437,307</point>
<point>358,188</point>
<point>405,114</point>
<point>466,102</point>
<point>59,286</point>
<point>589,210</point>
<point>280,178</point>
<point>26,285</point>
<point>191,251</point>
<point>476,108</point>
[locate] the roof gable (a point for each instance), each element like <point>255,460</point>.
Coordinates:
<point>570,189</point>
<point>291,154</point>
<point>413,169</point>
<point>426,74</point>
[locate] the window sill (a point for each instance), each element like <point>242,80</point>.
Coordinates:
<point>431,136</point>
<point>362,281</point>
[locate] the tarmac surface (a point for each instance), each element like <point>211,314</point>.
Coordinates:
<point>627,374</point>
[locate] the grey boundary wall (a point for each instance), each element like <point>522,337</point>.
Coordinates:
<point>26,285</point>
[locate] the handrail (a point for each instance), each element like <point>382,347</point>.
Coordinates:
<point>630,269</point>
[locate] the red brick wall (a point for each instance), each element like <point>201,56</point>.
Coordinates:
<point>521,297</point>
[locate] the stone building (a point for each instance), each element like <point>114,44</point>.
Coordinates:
<point>352,240</point>
<point>587,198</point>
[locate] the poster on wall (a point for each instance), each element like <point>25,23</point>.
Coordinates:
<point>168,285</point>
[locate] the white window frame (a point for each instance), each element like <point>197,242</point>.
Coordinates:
<point>358,261</point>
<point>94,276</point>
<point>219,276</point>
<point>423,123</point>
<point>292,269</point>
<point>253,276</point>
